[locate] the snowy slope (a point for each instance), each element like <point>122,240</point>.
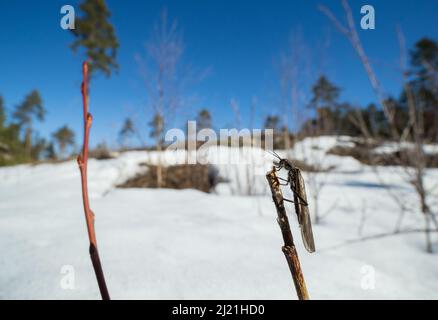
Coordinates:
<point>185,244</point>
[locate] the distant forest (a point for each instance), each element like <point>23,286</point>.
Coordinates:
<point>21,143</point>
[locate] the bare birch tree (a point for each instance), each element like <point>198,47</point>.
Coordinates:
<point>161,70</point>
<point>413,161</point>
<point>293,70</point>
<point>297,68</point>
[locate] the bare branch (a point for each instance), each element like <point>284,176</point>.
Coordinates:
<point>89,215</point>
<point>412,163</point>
<point>376,236</point>
<point>351,33</point>
<point>341,28</point>
<point>289,247</point>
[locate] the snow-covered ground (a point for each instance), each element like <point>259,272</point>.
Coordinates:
<point>185,244</point>
<point>390,147</point>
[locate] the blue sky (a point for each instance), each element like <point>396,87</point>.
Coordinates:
<point>238,41</point>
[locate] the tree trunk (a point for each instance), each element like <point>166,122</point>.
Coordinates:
<point>28,143</point>
<point>316,208</point>
<point>62,151</point>
<point>426,214</point>
<point>427,233</point>
<point>286,138</point>
<point>159,167</point>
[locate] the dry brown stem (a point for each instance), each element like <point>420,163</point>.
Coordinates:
<point>289,247</point>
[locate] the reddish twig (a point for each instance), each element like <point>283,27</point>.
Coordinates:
<point>89,215</point>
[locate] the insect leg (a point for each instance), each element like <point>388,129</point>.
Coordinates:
<point>302,201</point>
<point>284,184</point>
<point>287,181</point>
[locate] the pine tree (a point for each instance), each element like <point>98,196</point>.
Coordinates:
<point>273,122</point>
<point>157,129</point>
<point>38,148</point>
<point>97,36</point>
<point>11,147</point>
<point>325,94</point>
<point>4,148</point>
<point>50,152</point>
<point>325,102</point>
<point>64,137</point>
<point>424,60</point>
<point>25,113</point>
<point>2,113</point>
<point>203,120</point>
<point>423,84</point>
<point>127,131</point>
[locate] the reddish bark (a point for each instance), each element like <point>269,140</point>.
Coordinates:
<point>89,215</point>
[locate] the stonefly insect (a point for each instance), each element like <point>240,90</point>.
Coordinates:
<point>296,183</point>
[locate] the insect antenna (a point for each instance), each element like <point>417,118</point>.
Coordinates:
<point>277,164</point>
<point>274,154</point>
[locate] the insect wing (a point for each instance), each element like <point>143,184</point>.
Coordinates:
<point>303,212</point>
